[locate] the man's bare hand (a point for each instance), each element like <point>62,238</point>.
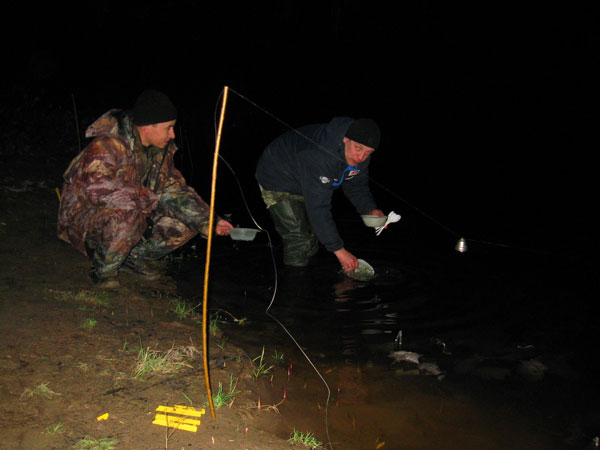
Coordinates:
<point>223,227</point>
<point>377,212</point>
<point>348,261</point>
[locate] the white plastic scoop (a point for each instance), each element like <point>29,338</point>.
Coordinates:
<point>392,217</point>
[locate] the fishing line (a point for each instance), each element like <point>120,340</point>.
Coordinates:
<point>267,311</point>
<point>389,191</point>
<point>392,193</point>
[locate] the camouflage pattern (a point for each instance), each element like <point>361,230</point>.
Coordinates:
<point>273,197</point>
<point>115,188</point>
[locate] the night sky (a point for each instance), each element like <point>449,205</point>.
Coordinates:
<point>488,112</point>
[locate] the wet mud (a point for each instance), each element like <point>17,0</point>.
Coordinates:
<point>505,341</point>
<point>502,346</point>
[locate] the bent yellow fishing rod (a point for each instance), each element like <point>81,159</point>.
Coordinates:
<point>211,219</point>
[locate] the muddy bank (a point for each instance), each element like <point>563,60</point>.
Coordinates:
<point>84,345</point>
<point>89,370</point>
<point>70,352</point>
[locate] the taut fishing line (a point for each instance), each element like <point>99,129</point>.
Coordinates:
<point>267,311</point>
<point>389,191</point>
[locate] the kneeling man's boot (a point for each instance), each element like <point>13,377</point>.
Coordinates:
<point>105,281</point>
<point>149,270</point>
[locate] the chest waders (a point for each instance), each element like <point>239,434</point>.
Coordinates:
<point>288,212</point>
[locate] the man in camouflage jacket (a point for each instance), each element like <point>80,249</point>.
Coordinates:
<point>123,202</point>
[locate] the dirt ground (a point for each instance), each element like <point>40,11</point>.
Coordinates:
<point>83,345</point>
<point>69,351</point>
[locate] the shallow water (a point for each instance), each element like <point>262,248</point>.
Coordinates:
<point>480,317</point>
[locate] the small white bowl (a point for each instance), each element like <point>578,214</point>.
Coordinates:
<point>373,221</point>
<point>243,234</point>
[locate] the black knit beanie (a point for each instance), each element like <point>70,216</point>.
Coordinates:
<point>365,132</point>
<point>153,107</point>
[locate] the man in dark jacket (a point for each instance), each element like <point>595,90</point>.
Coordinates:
<point>123,202</point>
<point>297,174</point>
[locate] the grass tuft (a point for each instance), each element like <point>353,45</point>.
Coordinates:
<point>278,358</point>
<point>261,368</point>
<point>307,439</point>
<point>222,398</point>
<point>89,443</point>
<point>182,309</point>
<point>88,323</point>
<point>54,429</point>
<point>41,390</point>
<point>154,361</point>
<point>213,325</point>
<point>84,297</point>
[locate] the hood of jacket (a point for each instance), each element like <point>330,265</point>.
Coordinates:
<point>113,122</point>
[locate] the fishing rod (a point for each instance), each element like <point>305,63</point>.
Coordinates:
<point>267,310</point>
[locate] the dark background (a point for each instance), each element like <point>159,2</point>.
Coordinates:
<point>488,111</point>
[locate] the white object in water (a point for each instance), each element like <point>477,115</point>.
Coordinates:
<point>242,234</point>
<point>403,355</point>
<point>425,368</point>
<point>391,218</point>
<point>364,271</point>
<point>430,368</point>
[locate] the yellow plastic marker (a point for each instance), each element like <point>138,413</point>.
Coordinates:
<point>178,422</point>
<point>183,410</point>
<point>102,417</point>
<point>181,423</point>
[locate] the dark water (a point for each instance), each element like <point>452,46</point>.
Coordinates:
<point>476,315</point>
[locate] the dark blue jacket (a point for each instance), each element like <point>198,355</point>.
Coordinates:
<point>308,161</point>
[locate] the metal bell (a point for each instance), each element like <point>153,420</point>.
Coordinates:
<point>461,245</point>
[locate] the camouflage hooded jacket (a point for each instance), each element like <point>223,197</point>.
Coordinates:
<point>116,172</point>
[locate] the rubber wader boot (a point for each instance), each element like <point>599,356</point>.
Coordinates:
<point>291,222</point>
